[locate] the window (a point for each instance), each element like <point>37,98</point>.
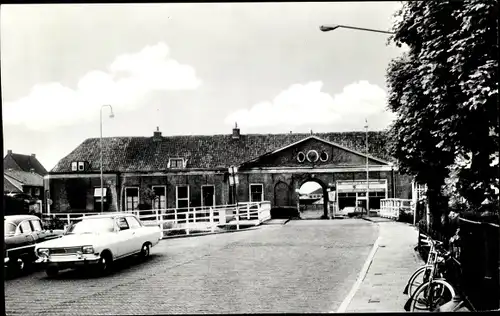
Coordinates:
<point>9,228</point>
<point>37,191</point>
<point>256,193</point>
<point>160,201</point>
<point>301,157</point>
<point>324,156</point>
<point>176,163</point>
<point>122,223</point>
<point>26,227</point>
<point>81,166</point>
<point>132,199</point>
<point>74,166</point>
<point>182,196</point>
<point>133,222</point>
<point>37,226</point>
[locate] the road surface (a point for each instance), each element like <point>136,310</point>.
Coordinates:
<point>303,266</point>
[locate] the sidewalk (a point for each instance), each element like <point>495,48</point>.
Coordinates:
<point>393,263</point>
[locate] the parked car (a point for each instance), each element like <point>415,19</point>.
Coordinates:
<point>21,234</point>
<point>98,241</point>
<point>351,211</point>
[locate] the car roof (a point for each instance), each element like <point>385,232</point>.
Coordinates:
<point>16,219</point>
<point>107,215</point>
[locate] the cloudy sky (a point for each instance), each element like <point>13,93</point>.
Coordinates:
<point>189,69</point>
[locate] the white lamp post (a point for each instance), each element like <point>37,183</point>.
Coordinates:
<point>100,142</point>
<point>367,174</point>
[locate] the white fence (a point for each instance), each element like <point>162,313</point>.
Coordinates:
<point>391,208</point>
<point>195,219</point>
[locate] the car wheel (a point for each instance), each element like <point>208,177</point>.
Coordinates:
<point>104,266</point>
<point>145,251</point>
<point>51,271</point>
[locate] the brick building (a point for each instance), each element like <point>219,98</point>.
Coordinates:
<point>193,171</point>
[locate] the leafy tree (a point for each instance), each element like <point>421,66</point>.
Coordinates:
<point>444,91</point>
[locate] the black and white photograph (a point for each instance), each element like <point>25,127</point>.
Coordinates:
<point>250,157</point>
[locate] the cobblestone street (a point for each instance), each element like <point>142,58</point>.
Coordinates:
<point>303,266</point>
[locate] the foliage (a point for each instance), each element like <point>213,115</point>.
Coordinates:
<point>444,92</point>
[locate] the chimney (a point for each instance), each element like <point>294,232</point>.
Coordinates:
<point>9,152</point>
<point>33,155</point>
<point>157,134</point>
<point>236,131</point>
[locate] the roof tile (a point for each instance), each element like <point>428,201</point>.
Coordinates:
<point>202,151</point>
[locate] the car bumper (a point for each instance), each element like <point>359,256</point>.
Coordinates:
<point>73,261</point>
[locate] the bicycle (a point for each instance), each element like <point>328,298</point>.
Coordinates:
<point>421,275</point>
<point>439,294</point>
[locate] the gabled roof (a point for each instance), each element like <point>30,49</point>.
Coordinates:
<point>11,186</point>
<point>25,163</point>
<point>321,140</point>
<point>146,154</point>
<point>24,178</point>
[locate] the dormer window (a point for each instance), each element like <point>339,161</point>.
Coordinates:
<point>176,163</point>
<point>78,166</point>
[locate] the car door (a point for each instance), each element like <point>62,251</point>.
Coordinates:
<point>137,238</point>
<point>126,236</point>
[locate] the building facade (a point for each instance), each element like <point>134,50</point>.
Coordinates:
<point>23,178</point>
<point>190,171</point>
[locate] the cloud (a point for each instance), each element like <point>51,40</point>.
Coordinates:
<point>306,104</point>
<point>127,80</point>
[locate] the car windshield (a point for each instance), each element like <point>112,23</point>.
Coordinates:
<point>92,225</point>
<point>9,228</point>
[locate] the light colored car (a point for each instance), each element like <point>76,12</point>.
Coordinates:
<point>98,241</point>
<point>351,211</point>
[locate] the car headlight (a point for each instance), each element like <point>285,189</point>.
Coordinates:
<point>87,249</point>
<point>43,252</point>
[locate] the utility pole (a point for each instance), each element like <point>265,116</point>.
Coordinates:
<point>367,173</point>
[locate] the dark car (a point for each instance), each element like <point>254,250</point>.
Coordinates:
<point>21,233</point>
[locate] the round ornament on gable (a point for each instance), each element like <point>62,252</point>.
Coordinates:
<point>312,155</point>
<point>301,157</point>
<point>324,156</point>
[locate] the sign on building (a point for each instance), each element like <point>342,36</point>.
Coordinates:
<point>331,195</point>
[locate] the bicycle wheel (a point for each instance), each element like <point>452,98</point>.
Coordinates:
<point>430,295</point>
<point>419,277</point>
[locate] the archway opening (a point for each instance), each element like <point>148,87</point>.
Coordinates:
<point>313,200</point>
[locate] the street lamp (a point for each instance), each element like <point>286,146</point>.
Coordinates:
<point>111,115</point>
<point>331,27</point>
<point>367,172</point>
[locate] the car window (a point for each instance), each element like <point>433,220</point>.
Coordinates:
<point>122,223</point>
<point>26,227</point>
<point>9,228</point>
<point>37,226</point>
<point>133,222</point>
<point>92,225</point>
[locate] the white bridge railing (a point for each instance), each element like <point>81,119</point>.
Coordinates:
<point>391,208</point>
<point>194,219</point>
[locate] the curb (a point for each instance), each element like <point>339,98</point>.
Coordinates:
<point>210,233</point>
<point>361,277</point>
